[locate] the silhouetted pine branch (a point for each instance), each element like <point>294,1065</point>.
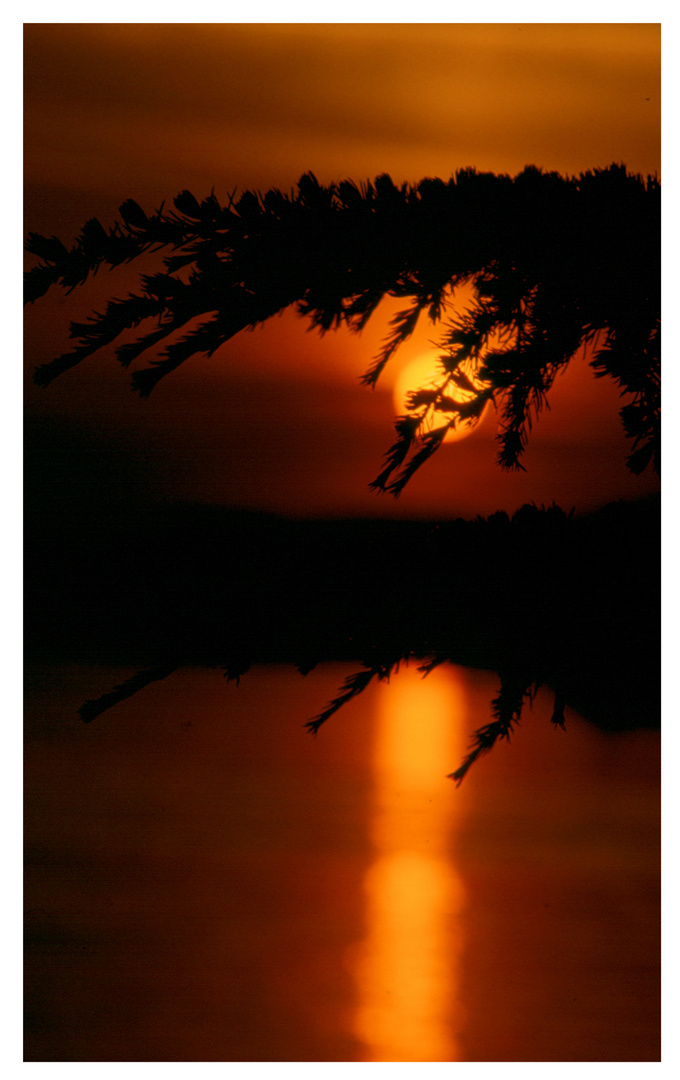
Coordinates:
<point>555,263</point>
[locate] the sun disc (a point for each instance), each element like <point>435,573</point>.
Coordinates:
<point>423,372</point>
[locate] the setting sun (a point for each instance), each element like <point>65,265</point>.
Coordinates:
<point>423,373</point>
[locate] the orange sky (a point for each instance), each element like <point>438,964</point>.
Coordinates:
<point>277,420</point>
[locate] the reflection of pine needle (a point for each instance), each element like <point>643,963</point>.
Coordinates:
<point>91,709</point>
<point>353,685</point>
<point>507,708</point>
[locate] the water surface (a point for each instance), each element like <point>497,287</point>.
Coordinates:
<point>206,881</point>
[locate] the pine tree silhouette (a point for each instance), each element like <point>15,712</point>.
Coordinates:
<point>556,264</point>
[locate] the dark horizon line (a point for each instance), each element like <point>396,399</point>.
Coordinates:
<point>244,512</point>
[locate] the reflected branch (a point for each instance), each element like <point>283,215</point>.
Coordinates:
<point>92,709</point>
<point>543,598</point>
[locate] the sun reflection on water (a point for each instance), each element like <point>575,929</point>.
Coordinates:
<point>406,968</point>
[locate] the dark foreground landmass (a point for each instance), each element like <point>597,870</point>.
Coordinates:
<point>572,602</point>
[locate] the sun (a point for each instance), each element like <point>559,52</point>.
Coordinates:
<point>424,371</point>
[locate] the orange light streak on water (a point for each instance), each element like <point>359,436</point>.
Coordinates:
<point>406,968</point>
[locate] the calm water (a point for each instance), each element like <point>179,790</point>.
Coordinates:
<point>207,881</point>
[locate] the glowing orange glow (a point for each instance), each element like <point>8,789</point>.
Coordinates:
<point>109,115</point>
<point>406,968</point>
<point>424,372</point>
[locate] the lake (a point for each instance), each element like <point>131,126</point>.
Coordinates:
<point>207,881</point>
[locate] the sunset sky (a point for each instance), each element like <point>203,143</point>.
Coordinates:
<point>203,880</point>
<point>277,420</point>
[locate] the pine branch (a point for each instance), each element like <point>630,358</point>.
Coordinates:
<point>553,260</point>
